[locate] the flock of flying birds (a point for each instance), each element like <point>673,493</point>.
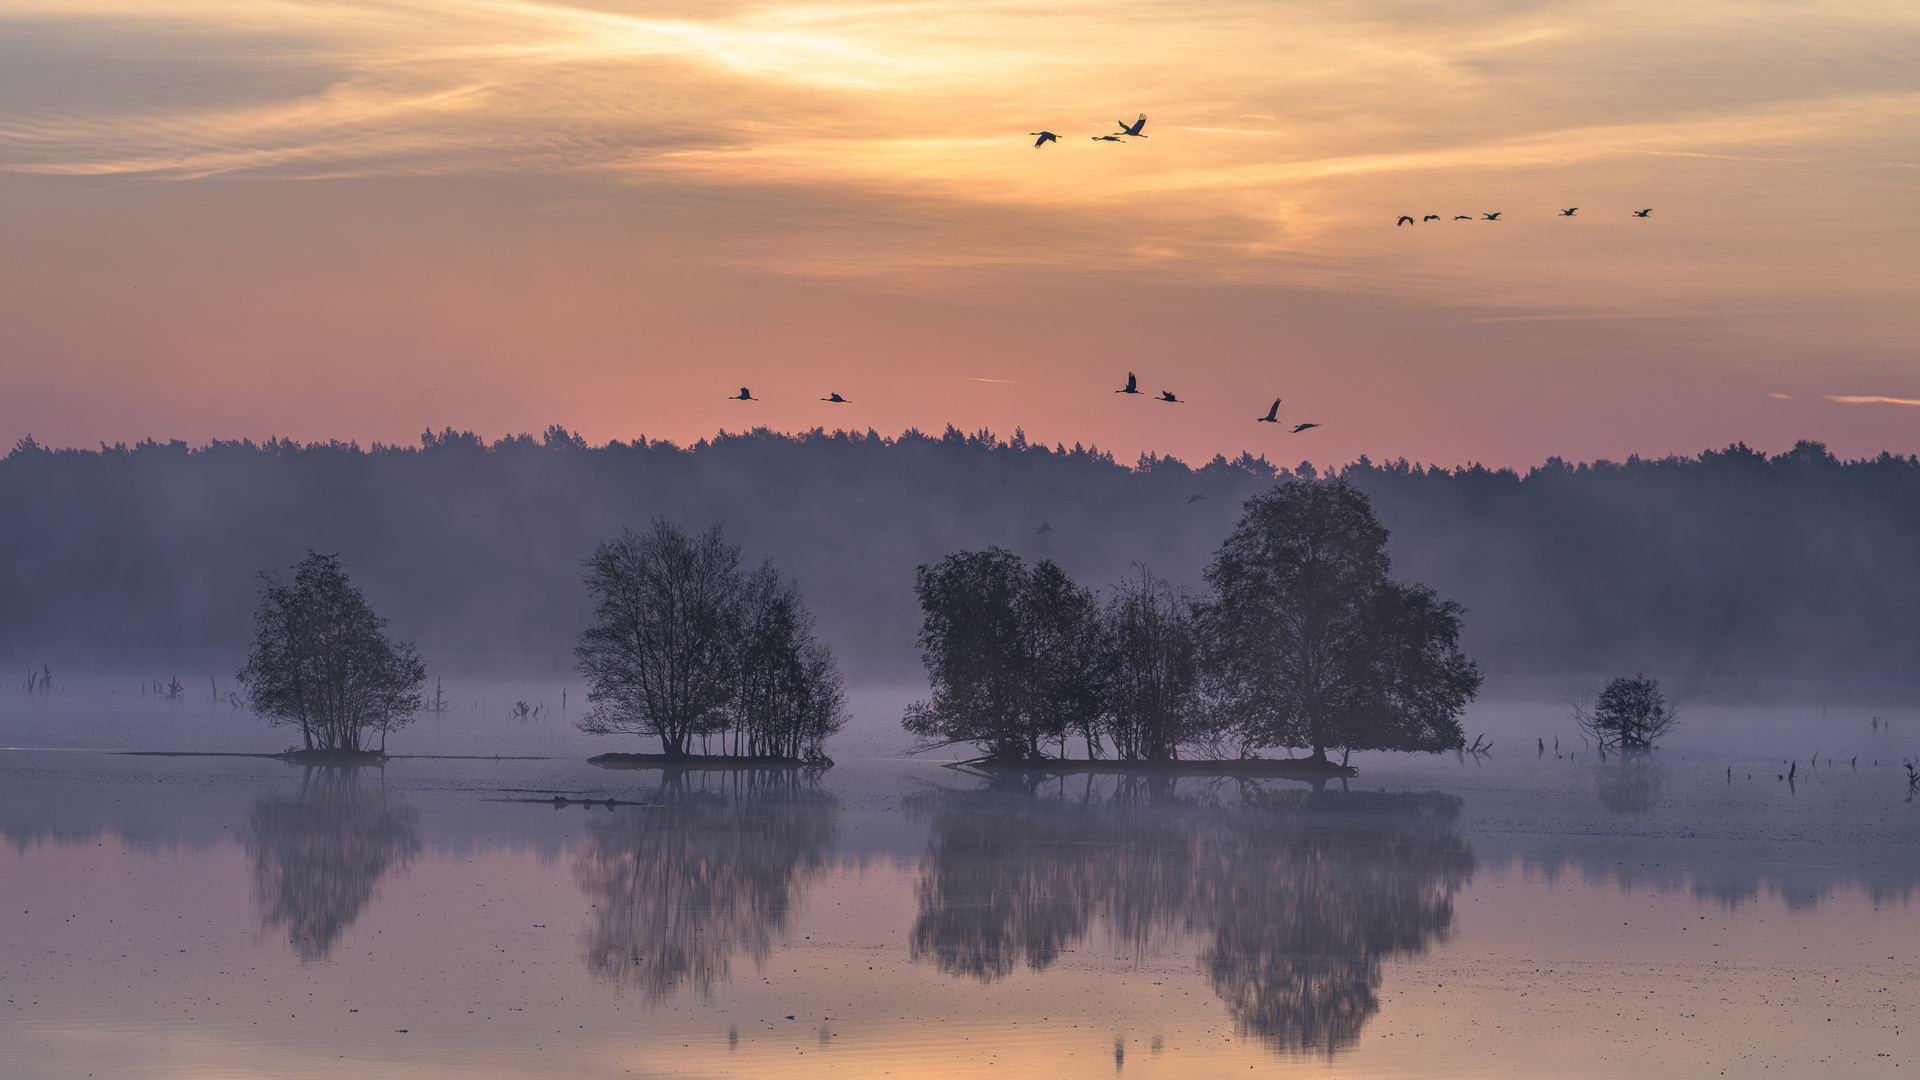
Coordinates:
<point>1407,219</point>
<point>1132,387</point>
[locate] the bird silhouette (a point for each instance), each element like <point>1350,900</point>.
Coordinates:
<point>836,399</point>
<point>1431,217</point>
<point>1273,414</point>
<point>1495,216</point>
<point>1463,217</point>
<point>1643,213</point>
<point>1106,138</point>
<point>1568,212</point>
<point>743,395</point>
<point>1191,499</point>
<point>1045,138</point>
<point>1404,220</point>
<point>1042,529</point>
<point>1132,387</point>
<point>1167,395</point>
<point>1133,128</point>
<point>1298,428</point>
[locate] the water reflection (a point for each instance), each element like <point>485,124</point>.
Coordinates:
<point>1629,783</point>
<point>711,871</point>
<point>1295,897</point>
<point>318,855</point>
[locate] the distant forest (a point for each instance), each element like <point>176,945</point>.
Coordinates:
<point>1732,563</point>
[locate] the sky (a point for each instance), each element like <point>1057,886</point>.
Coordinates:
<point>359,220</point>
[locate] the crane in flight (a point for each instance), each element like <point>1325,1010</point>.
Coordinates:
<point>1495,216</point>
<point>1042,529</point>
<point>1463,217</point>
<point>1167,395</point>
<point>743,395</point>
<point>1132,129</point>
<point>1106,138</point>
<point>1273,414</point>
<point>1568,212</point>
<point>1298,428</point>
<point>1404,220</point>
<point>1191,499</point>
<point>1431,217</point>
<point>1643,213</point>
<point>1045,138</point>
<point>1132,387</point>
<point>836,399</point>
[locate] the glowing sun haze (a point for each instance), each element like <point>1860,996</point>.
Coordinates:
<point>358,220</point>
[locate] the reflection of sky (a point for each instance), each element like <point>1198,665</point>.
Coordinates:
<point>503,214</point>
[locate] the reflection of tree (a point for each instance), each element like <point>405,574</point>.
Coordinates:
<point>1630,782</point>
<point>318,855</point>
<point>1298,899</point>
<point>681,887</point>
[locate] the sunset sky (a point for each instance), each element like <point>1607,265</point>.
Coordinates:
<point>357,220</point>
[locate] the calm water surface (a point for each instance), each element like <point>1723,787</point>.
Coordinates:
<point>1524,913</point>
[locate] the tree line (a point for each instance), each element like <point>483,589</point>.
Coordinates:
<point>1729,563</point>
<point>1302,640</point>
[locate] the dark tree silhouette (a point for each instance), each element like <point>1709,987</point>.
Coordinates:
<point>978,655</point>
<point>684,646</point>
<point>322,659</point>
<point>1151,668</point>
<point>661,654</point>
<point>1628,714</point>
<point>1060,623</point>
<point>318,856</point>
<point>1309,644</point>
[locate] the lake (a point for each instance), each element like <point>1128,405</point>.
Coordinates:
<point>1533,911</point>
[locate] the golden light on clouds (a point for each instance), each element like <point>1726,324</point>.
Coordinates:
<point>879,151</point>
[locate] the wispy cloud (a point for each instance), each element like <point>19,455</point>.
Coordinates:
<point>1864,399</point>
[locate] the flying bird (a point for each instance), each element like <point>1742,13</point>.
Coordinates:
<point>1045,138</point>
<point>1404,220</point>
<point>1042,529</point>
<point>743,395</point>
<point>1431,217</point>
<point>1298,428</point>
<point>1191,499</point>
<point>1495,216</point>
<point>1167,395</point>
<point>1106,138</point>
<point>1273,414</point>
<point>836,399</point>
<point>1643,213</point>
<point>1133,128</point>
<point>1568,212</point>
<point>1132,386</point>
<point>1463,217</point>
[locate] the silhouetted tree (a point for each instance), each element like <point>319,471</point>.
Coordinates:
<point>1308,643</point>
<point>1151,668</point>
<point>322,659</point>
<point>1065,643</point>
<point>684,646</point>
<point>1628,714</point>
<point>660,656</point>
<point>978,655</point>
